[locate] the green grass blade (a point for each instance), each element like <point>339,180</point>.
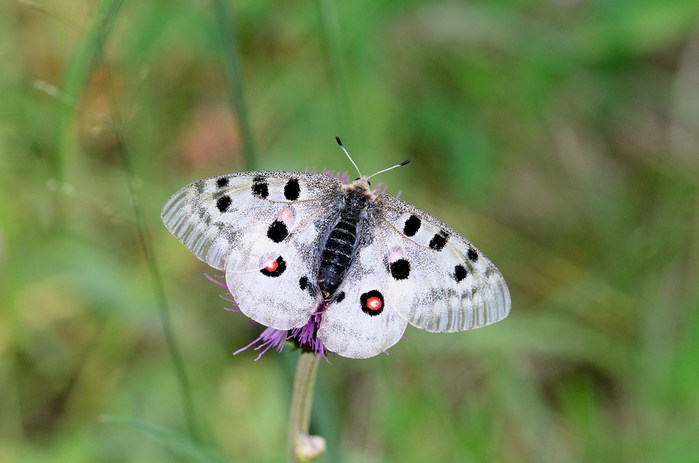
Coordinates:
<point>149,256</point>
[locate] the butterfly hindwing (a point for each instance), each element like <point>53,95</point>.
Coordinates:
<point>272,276</point>
<point>444,282</point>
<point>363,319</point>
<point>261,228</point>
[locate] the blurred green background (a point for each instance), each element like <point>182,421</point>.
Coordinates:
<point>560,136</point>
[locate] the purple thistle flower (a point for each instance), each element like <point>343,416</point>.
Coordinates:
<point>304,338</point>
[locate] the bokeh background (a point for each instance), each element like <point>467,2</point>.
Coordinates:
<point>560,136</point>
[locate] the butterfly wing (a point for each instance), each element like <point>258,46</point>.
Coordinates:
<point>363,320</point>
<point>260,227</point>
<point>410,267</point>
<point>444,283</point>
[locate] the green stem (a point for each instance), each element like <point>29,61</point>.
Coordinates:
<point>302,398</point>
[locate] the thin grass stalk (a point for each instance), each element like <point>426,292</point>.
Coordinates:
<point>149,253</point>
<point>301,401</point>
<point>229,50</point>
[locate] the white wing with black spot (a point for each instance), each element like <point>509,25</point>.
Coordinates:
<point>364,319</point>
<point>444,283</point>
<point>261,228</point>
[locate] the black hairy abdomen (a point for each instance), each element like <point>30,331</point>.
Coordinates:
<point>341,245</point>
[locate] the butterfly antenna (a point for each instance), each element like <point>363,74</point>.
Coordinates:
<point>389,168</point>
<point>339,142</point>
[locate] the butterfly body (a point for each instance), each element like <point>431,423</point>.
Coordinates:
<point>340,247</point>
<point>293,243</point>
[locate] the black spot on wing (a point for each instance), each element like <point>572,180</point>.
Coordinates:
<point>223,203</point>
<point>340,297</point>
<point>439,240</point>
<point>303,283</point>
<point>260,187</point>
<point>400,269</point>
<point>292,190</point>
<point>472,254</point>
<point>412,225</point>
<point>277,231</point>
<point>459,273</point>
<point>221,182</point>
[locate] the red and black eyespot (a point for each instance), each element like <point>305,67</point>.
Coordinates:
<point>274,268</point>
<point>372,302</point>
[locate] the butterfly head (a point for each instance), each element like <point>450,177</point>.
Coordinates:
<point>361,185</point>
<point>362,182</point>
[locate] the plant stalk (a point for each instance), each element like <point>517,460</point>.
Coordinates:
<point>301,400</point>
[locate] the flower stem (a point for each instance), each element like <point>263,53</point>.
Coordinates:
<point>302,398</point>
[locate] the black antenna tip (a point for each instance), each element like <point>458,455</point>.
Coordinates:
<point>404,162</point>
<point>339,142</point>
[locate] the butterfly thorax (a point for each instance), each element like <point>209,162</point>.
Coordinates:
<point>340,247</point>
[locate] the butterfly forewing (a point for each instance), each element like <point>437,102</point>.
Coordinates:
<point>445,282</point>
<point>212,217</point>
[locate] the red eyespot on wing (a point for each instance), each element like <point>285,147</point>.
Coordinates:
<point>374,303</point>
<point>272,266</point>
<point>371,303</point>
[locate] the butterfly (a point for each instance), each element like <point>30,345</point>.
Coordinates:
<point>292,242</point>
